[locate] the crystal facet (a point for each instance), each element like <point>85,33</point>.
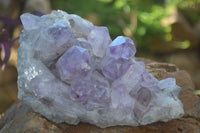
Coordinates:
<point>74,63</point>
<point>122,47</point>
<point>99,39</point>
<point>114,68</point>
<point>92,93</point>
<point>71,71</point>
<point>30,22</point>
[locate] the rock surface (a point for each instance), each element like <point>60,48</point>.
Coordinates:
<point>188,61</point>
<point>20,118</point>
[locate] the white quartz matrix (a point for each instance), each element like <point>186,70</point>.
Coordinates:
<point>72,71</point>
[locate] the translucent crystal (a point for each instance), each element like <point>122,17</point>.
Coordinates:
<point>29,21</point>
<point>80,27</point>
<point>148,80</point>
<point>122,47</point>
<point>99,39</point>
<point>132,76</point>
<point>82,42</point>
<point>114,68</point>
<point>92,93</point>
<point>143,100</point>
<point>74,63</point>
<point>121,99</point>
<point>53,41</point>
<point>168,85</point>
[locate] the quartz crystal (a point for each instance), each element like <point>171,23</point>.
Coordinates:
<point>71,71</point>
<point>30,22</point>
<point>74,63</point>
<point>114,68</point>
<point>122,47</point>
<point>99,39</point>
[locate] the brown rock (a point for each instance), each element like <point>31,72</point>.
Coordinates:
<point>188,61</point>
<point>20,118</point>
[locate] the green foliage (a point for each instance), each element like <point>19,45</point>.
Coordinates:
<point>149,24</point>
<point>119,16</point>
<point>106,13</point>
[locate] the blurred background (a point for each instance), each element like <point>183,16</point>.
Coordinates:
<point>163,30</point>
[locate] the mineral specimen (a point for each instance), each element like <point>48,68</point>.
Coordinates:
<point>71,71</point>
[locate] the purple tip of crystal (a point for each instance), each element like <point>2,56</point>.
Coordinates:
<point>122,47</point>
<point>92,93</point>
<point>114,68</point>
<point>143,99</point>
<point>29,21</point>
<point>59,33</point>
<point>74,63</point>
<point>144,96</point>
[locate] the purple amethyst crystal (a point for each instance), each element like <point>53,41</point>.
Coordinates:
<point>122,47</point>
<point>74,63</point>
<point>71,71</point>
<point>114,68</point>
<point>116,63</point>
<point>121,99</point>
<point>143,100</point>
<point>52,41</point>
<point>59,34</point>
<point>92,93</point>
<point>132,77</point>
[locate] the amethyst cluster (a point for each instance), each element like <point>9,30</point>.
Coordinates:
<point>71,71</point>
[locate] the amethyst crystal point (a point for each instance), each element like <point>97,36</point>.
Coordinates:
<point>114,68</point>
<point>121,99</point>
<point>132,77</point>
<point>143,99</point>
<point>82,42</point>
<point>148,80</point>
<point>71,71</point>
<point>92,93</point>
<point>122,47</point>
<point>59,34</point>
<point>116,63</point>
<point>168,86</point>
<point>79,27</point>
<point>52,42</point>
<point>74,63</point>
<point>30,22</point>
<point>99,39</point>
